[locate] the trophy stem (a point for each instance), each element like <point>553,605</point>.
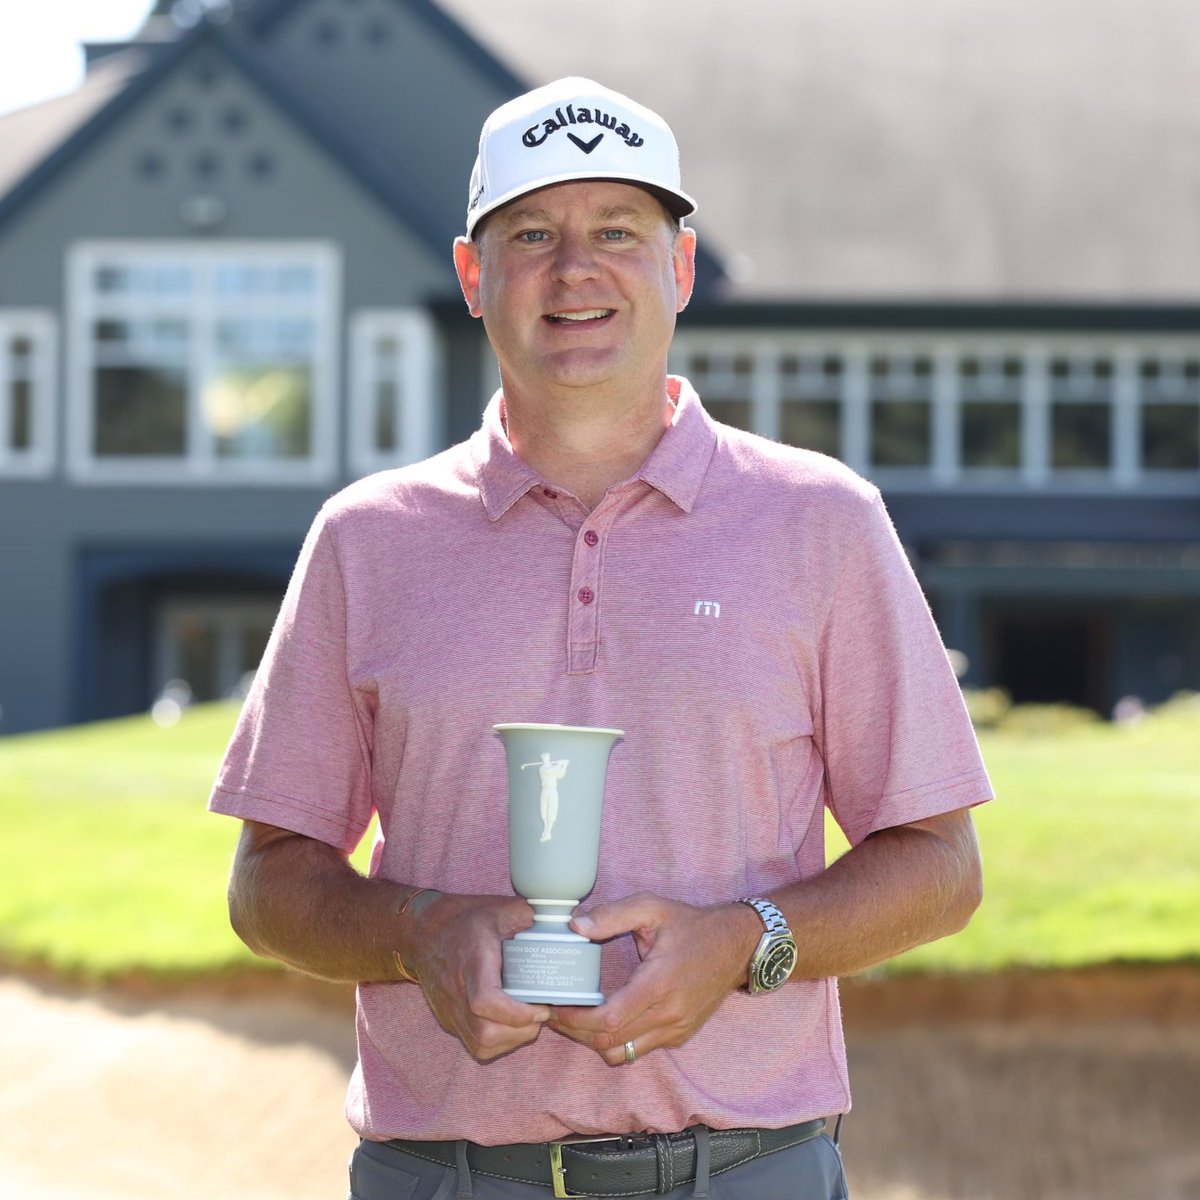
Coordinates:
<point>559,910</point>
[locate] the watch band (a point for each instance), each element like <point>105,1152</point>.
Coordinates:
<point>772,918</point>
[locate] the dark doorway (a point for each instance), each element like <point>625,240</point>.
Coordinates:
<point>146,611</point>
<point>1050,655</point>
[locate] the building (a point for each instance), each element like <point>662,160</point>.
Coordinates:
<point>956,246</point>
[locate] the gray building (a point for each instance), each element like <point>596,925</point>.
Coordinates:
<point>956,246</point>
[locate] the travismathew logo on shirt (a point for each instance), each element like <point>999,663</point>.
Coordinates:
<point>535,135</point>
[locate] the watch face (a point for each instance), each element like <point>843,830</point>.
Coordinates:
<point>775,965</point>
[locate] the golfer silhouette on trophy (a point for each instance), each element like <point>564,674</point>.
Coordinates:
<point>549,773</point>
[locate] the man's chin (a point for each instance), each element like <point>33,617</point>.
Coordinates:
<point>581,367</point>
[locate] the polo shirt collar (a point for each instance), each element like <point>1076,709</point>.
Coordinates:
<point>676,466</point>
<point>503,477</point>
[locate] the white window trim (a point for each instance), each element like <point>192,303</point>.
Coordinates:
<point>198,465</point>
<point>40,327</point>
<point>421,394</point>
<point>1125,474</point>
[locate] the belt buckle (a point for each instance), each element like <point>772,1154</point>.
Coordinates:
<point>558,1172</point>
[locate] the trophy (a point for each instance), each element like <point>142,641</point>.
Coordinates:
<point>555,797</point>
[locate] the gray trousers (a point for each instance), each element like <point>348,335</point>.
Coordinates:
<point>811,1170</point>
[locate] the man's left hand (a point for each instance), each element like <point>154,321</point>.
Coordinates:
<point>692,958</point>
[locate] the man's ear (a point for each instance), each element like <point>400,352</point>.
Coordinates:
<point>685,267</point>
<point>466,263</point>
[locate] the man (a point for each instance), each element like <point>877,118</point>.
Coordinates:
<point>742,610</point>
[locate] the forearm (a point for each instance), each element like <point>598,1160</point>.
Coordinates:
<point>300,901</point>
<point>897,889</point>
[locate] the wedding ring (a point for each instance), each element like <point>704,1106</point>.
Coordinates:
<point>630,1052</point>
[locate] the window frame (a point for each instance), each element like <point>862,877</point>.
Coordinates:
<point>1125,472</point>
<point>199,464</point>
<point>41,328</point>
<point>229,614</point>
<point>1175,354</point>
<point>419,394</point>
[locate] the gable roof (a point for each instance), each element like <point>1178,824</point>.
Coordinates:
<point>41,142</point>
<point>138,71</point>
<point>993,150</point>
<point>1005,151</point>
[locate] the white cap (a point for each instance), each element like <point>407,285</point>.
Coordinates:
<point>573,129</point>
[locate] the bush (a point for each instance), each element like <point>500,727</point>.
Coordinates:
<point>992,708</point>
<point>987,707</point>
<point>1046,720</point>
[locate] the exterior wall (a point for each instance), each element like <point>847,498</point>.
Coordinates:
<point>62,539</point>
<point>1104,568</point>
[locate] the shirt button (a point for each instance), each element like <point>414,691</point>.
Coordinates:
<point>591,537</point>
<point>586,595</point>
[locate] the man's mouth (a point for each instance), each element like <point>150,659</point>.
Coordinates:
<point>581,317</point>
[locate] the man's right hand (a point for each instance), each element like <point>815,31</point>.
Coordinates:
<point>452,946</point>
<point>299,900</point>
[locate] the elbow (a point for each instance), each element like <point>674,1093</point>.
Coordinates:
<point>244,916</point>
<point>240,916</point>
<point>969,893</point>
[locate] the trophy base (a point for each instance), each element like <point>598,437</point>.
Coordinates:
<point>581,999</point>
<point>552,968</point>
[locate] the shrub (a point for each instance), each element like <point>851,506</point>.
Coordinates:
<point>987,707</point>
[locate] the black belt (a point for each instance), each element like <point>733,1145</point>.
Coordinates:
<point>636,1164</point>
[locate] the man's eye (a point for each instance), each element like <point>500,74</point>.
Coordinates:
<point>532,235</point>
<point>615,235</point>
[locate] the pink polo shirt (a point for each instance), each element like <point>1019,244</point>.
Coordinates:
<point>743,610</point>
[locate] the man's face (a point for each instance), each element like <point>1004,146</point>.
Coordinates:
<point>578,285</point>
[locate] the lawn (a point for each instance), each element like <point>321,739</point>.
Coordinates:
<point>110,862</point>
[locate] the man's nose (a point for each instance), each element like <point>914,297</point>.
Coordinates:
<point>575,259</point>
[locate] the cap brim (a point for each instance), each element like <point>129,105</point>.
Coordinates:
<point>678,204</point>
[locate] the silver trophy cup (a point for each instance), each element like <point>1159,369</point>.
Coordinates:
<point>555,798</point>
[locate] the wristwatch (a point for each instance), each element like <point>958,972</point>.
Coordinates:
<point>775,955</point>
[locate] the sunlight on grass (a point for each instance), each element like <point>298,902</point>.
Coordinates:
<point>110,861</point>
<point>109,858</point>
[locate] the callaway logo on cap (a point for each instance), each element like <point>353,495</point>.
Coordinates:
<point>573,129</point>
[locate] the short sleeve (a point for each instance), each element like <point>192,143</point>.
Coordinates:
<point>894,733</point>
<point>300,756</point>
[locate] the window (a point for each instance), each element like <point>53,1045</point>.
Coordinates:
<point>1170,414</point>
<point>990,389</point>
<point>811,402</point>
<point>393,388</point>
<point>726,383</point>
<point>203,363</point>
<point>26,393</point>
<point>947,409</point>
<point>212,644</point>
<point>901,399</point>
<point>1081,411</point>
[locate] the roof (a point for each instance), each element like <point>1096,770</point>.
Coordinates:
<point>27,135</point>
<point>1001,150</point>
<point>53,138</point>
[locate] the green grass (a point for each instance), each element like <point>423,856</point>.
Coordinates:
<point>108,858</point>
<point>110,863</point>
<point>1091,849</point>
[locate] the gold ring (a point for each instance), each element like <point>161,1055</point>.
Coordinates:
<point>630,1052</point>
